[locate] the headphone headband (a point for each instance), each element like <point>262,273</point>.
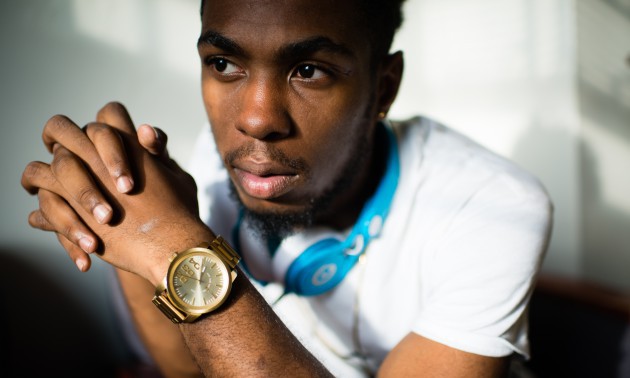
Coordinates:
<point>325,264</point>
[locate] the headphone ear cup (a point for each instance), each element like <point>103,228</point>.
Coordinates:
<point>319,268</point>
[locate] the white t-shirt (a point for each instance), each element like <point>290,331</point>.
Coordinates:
<point>455,261</point>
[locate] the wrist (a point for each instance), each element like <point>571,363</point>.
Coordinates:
<point>177,242</point>
<point>198,281</point>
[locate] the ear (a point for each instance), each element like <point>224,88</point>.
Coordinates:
<point>390,73</point>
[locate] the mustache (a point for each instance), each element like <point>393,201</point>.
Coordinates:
<point>271,152</point>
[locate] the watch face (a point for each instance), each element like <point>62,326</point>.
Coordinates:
<point>198,282</point>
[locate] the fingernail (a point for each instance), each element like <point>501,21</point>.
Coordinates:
<point>86,245</point>
<point>100,213</point>
<point>80,265</point>
<point>124,184</point>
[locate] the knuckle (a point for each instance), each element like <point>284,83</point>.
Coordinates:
<point>84,144</point>
<point>112,107</point>
<point>73,230</point>
<point>117,167</point>
<point>98,131</point>
<point>66,230</point>
<point>57,124</point>
<point>109,141</point>
<point>35,219</point>
<point>94,127</point>
<point>87,197</point>
<point>31,171</point>
<point>62,160</point>
<point>31,177</point>
<point>58,120</point>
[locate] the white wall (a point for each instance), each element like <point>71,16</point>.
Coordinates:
<point>604,92</point>
<point>547,84</point>
<point>503,72</point>
<point>543,82</point>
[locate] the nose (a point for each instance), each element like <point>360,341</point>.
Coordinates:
<point>263,115</point>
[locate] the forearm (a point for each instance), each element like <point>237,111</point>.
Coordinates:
<point>246,338</point>
<point>243,337</point>
<point>161,337</point>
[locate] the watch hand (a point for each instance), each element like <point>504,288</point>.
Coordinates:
<point>187,276</point>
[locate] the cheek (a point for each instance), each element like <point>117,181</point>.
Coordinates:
<point>219,110</point>
<point>327,134</point>
<point>330,115</point>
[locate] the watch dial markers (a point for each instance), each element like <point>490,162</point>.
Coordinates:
<point>198,280</point>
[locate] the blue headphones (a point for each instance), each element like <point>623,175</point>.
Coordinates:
<point>326,263</point>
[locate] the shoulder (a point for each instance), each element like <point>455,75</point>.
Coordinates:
<point>475,227</point>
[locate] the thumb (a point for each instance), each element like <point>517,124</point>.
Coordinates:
<point>154,141</point>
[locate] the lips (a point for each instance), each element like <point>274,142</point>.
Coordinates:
<point>264,180</point>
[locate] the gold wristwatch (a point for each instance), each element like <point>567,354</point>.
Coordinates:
<point>198,281</point>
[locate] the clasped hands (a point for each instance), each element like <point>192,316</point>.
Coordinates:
<point>113,190</point>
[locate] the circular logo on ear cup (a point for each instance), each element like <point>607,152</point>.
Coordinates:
<point>324,274</point>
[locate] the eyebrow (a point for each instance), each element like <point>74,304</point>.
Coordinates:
<point>211,37</point>
<point>292,50</point>
<point>312,45</point>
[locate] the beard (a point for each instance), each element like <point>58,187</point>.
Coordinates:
<point>277,225</point>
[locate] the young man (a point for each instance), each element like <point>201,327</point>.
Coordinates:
<point>403,249</point>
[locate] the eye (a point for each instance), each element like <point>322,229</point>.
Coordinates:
<point>222,65</point>
<point>310,71</point>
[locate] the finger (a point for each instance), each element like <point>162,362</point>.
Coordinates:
<point>38,175</point>
<point>78,185</point>
<point>60,130</point>
<point>116,115</point>
<point>153,140</point>
<point>37,220</point>
<point>56,215</point>
<point>111,149</point>
<point>80,258</point>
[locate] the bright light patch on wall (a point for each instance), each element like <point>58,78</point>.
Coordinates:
<point>465,39</point>
<point>165,30</point>
<point>487,74</point>
<point>603,63</point>
<point>179,27</point>
<point>115,22</point>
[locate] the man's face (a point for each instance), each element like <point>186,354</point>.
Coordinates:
<point>289,93</point>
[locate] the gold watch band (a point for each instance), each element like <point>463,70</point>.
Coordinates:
<point>161,299</point>
<point>172,313</point>
<point>228,254</point>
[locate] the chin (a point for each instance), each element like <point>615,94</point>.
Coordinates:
<point>272,219</point>
<point>277,221</point>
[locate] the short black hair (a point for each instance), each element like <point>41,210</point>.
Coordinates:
<point>381,18</point>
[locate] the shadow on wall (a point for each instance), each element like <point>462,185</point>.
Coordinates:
<point>575,331</point>
<point>602,237</point>
<point>46,332</point>
<point>605,183</point>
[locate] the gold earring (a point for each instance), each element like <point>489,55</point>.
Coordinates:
<point>381,115</point>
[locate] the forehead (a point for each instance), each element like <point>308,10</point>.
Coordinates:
<point>274,23</point>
